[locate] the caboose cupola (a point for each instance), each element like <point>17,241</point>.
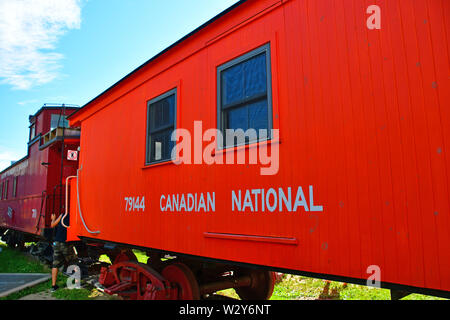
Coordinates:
<point>49,124</point>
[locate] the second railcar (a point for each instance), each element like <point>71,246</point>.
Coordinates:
<point>32,188</point>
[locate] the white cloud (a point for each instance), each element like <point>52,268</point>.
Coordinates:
<point>26,102</point>
<point>29,32</point>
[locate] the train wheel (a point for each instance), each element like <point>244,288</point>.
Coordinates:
<point>135,281</point>
<point>263,283</point>
<point>180,275</point>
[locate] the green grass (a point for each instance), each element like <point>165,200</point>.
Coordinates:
<point>290,288</point>
<point>77,294</point>
<point>13,261</point>
<point>297,287</point>
<point>303,288</point>
<point>141,256</point>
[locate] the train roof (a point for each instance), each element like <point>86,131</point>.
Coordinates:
<point>188,36</point>
<point>53,107</point>
<point>14,164</point>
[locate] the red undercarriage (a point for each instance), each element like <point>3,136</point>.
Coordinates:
<point>175,280</point>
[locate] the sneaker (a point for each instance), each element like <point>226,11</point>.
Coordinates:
<point>54,288</point>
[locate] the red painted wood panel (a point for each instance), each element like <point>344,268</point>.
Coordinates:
<point>363,118</point>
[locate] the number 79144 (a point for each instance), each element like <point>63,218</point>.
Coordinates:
<point>134,204</point>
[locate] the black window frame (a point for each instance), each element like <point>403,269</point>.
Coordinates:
<point>149,132</point>
<point>221,111</point>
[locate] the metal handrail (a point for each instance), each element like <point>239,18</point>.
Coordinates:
<point>43,202</point>
<point>79,204</point>
<point>67,201</point>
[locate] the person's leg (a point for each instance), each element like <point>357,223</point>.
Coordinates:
<point>54,276</point>
<point>58,258</point>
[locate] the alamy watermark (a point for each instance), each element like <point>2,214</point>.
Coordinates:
<point>374,20</point>
<point>374,279</point>
<point>225,148</point>
<point>74,279</point>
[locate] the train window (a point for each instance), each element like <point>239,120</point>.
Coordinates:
<point>245,97</point>
<point>58,121</point>
<point>14,191</point>
<point>161,120</point>
<point>5,190</point>
<point>32,131</point>
<point>1,191</point>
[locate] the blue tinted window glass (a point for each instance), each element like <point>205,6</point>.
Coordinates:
<point>232,85</point>
<point>237,118</point>
<point>252,116</point>
<point>258,115</point>
<point>244,80</point>
<point>255,76</point>
<point>244,96</point>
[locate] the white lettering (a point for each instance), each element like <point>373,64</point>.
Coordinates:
<point>160,203</point>
<point>205,202</point>
<point>274,194</point>
<point>234,200</point>
<point>301,203</point>
<point>257,200</point>
<point>311,201</point>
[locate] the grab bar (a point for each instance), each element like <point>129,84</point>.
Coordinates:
<point>79,205</point>
<point>78,201</point>
<point>67,201</point>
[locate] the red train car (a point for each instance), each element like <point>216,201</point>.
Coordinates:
<point>350,102</point>
<point>31,188</point>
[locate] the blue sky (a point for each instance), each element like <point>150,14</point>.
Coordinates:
<point>69,51</point>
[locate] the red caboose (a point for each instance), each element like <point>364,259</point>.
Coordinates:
<point>357,111</point>
<point>34,187</point>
